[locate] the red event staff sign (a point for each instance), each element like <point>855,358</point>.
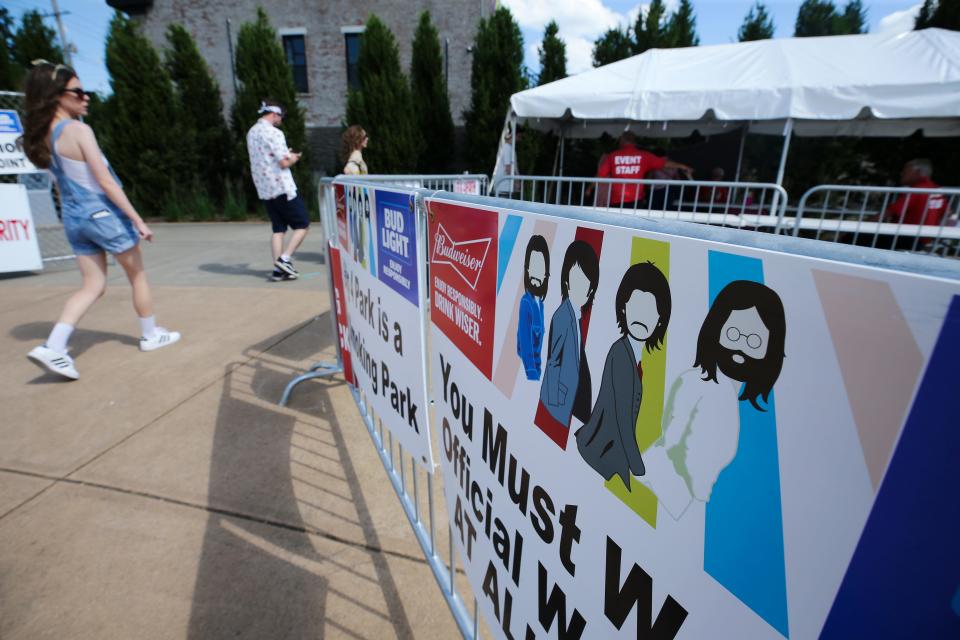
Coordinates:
<point>463,278</point>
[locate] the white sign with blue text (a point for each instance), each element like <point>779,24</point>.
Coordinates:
<point>12,158</point>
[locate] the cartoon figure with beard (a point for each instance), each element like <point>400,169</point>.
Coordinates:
<point>566,387</point>
<point>536,276</point>
<point>740,353</point>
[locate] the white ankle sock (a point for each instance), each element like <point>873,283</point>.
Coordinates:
<point>285,257</point>
<point>59,337</point>
<point>148,326</point>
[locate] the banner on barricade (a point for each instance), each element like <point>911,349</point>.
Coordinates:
<point>381,322</point>
<point>647,435</point>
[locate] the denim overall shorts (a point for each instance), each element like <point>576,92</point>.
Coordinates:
<point>92,222</point>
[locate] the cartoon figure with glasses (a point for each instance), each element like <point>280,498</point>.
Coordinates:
<point>740,353</point>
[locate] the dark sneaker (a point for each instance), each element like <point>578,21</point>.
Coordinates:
<point>286,266</point>
<point>280,276</point>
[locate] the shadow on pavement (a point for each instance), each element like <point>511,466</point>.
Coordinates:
<point>243,269</point>
<point>289,473</point>
<point>315,257</point>
<point>82,339</point>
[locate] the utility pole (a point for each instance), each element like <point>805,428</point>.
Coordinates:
<point>67,47</point>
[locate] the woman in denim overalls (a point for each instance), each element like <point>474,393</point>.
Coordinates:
<point>97,216</point>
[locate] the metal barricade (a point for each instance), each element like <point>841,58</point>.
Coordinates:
<point>898,218</point>
<point>747,205</point>
<point>418,495</point>
<point>466,183</point>
<point>46,220</point>
<point>419,503</point>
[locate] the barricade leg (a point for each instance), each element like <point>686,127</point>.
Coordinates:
<point>319,370</point>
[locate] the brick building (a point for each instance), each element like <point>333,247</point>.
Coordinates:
<point>321,40</point>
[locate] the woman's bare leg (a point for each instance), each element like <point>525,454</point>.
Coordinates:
<point>132,263</point>
<point>93,268</point>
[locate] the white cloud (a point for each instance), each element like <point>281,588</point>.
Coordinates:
<point>579,55</point>
<point>899,21</point>
<point>581,22</point>
<point>587,18</point>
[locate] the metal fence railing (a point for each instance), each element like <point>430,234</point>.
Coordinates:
<point>903,219</point>
<point>466,183</point>
<point>748,205</point>
<point>420,493</point>
<point>53,243</point>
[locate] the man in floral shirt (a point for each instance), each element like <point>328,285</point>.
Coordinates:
<point>270,162</point>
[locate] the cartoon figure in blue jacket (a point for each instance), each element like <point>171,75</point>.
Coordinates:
<point>536,276</point>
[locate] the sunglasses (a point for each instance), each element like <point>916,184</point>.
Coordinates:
<point>80,93</point>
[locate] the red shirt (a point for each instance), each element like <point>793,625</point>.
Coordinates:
<point>628,162</point>
<point>918,208</point>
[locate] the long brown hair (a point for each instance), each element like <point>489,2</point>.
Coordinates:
<point>351,140</point>
<point>44,86</point>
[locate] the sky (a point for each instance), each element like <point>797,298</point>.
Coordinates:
<point>580,21</point>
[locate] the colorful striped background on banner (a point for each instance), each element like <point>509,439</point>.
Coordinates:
<point>650,421</point>
<point>743,538</point>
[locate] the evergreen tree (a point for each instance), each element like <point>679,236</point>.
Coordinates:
<point>816,18</point>
<point>613,45</point>
<point>146,142</point>
<point>943,14</point>
<point>682,27</point>
<point>650,29</point>
<point>925,15</point>
<point>497,73</point>
<point>34,40</point>
<point>383,105</point>
<point>11,76</point>
<point>262,72</point>
<point>947,15</point>
<point>757,25</point>
<point>553,55</point>
<point>853,19</point>
<point>199,101</point>
<point>431,103</point>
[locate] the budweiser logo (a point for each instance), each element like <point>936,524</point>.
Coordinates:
<point>466,258</point>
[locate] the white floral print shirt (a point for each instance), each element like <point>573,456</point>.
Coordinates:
<point>267,146</point>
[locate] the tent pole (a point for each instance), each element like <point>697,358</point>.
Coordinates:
<point>787,135</point>
<point>563,140</point>
<point>556,158</point>
<point>743,143</point>
<point>497,163</point>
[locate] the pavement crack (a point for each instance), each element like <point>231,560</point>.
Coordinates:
<point>230,369</point>
<point>230,513</point>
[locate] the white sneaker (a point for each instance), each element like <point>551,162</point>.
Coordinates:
<point>54,361</point>
<point>161,338</point>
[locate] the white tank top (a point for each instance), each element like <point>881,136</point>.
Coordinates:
<point>79,172</point>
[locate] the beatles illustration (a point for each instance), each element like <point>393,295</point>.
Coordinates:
<point>739,356</point>
<point>566,387</point>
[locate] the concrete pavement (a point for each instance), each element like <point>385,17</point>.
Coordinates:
<point>166,495</point>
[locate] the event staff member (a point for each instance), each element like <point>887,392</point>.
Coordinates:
<point>917,208</point>
<point>630,163</point>
<point>270,162</point>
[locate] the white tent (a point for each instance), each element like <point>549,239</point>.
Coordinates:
<point>861,85</point>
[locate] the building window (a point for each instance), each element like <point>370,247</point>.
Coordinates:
<point>296,50</point>
<point>353,57</point>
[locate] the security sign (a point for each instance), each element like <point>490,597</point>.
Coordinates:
<point>19,250</point>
